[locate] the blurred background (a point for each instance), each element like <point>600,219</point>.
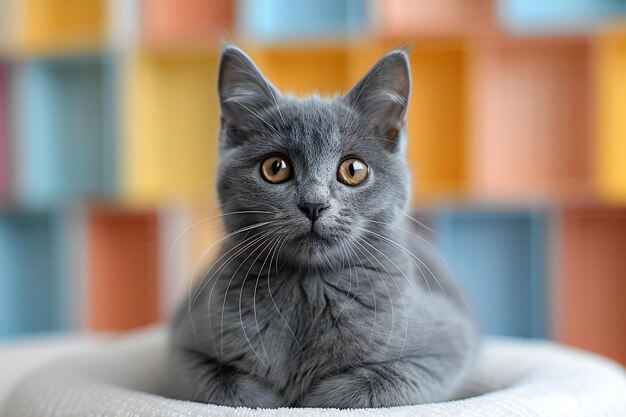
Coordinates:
<point>517,127</point>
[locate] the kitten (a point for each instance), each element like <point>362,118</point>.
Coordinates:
<point>322,295</point>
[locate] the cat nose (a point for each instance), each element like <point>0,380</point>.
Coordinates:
<point>313,210</point>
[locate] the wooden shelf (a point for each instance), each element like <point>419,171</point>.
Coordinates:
<point>498,259</point>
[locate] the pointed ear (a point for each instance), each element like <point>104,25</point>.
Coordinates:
<point>244,92</point>
<point>381,97</point>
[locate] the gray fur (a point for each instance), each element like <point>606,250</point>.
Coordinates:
<point>354,310</point>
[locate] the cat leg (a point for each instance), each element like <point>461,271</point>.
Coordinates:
<point>407,381</point>
<point>208,381</point>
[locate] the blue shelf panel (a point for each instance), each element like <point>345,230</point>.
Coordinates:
<point>31,272</point>
<point>300,19</point>
<point>498,259</point>
<point>66,127</point>
<point>559,15</point>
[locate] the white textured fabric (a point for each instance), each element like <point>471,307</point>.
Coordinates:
<point>513,378</point>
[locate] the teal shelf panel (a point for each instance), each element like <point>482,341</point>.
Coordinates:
<point>66,129</point>
<point>32,285</point>
<point>565,16</point>
<point>301,19</point>
<point>499,261</point>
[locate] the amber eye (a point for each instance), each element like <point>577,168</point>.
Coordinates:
<point>276,169</point>
<point>352,171</point>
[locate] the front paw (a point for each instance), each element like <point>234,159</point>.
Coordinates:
<point>238,392</point>
<point>357,388</point>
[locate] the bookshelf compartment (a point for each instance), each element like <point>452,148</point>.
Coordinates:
<point>591,285</point>
<point>123,284</point>
<point>498,259</point>
<point>32,283</point>
<point>520,148</point>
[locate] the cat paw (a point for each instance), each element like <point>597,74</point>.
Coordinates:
<point>240,393</point>
<point>354,389</point>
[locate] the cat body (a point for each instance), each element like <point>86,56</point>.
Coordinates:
<point>324,293</point>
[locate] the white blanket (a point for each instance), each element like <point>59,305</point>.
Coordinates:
<point>514,378</point>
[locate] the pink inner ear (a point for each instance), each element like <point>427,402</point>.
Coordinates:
<point>392,132</point>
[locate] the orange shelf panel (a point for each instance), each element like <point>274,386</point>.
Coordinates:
<point>62,24</point>
<point>304,69</point>
<point>591,287</point>
<point>122,273</point>
<point>611,126</point>
<point>185,21</point>
<point>436,17</point>
<point>531,118</point>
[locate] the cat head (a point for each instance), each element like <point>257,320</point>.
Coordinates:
<point>309,175</point>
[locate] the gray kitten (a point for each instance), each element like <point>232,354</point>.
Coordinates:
<point>321,295</point>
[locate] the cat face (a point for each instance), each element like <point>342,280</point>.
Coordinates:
<point>306,176</point>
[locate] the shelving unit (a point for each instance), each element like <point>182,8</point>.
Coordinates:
<point>591,283</point>
<point>516,144</point>
<point>498,259</point>
<point>69,152</point>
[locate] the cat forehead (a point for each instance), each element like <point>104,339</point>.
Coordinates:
<point>315,118</point>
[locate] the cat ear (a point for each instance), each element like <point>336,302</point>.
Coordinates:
<point>244,92</point>
<point>381,97</point>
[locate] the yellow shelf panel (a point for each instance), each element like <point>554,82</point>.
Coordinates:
<point>170,143</point>
<point>611,117</point>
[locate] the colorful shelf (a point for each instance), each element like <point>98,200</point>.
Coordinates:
<point>70,151</point>
<point>499,260</point>
<point>591,284</point>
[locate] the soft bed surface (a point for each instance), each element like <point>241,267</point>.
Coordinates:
<point>514,378</point>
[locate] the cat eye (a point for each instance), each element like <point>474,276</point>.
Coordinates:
<point>276,169</point>
<point>352,171</point>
